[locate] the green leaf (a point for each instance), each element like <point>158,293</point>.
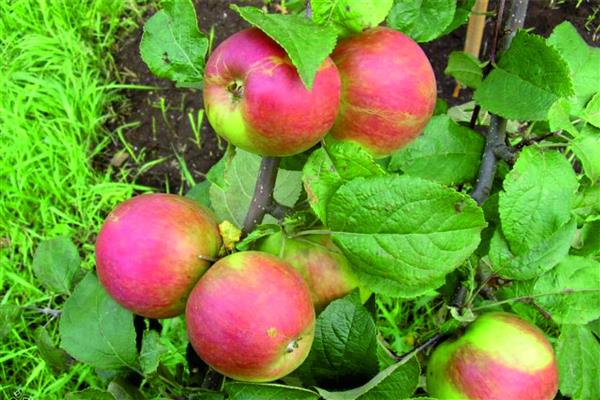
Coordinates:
<point>329,167</point>
<point>529,78</point>
<point>422,20</point>
<point>397,381</point>
<point>583,62</point>
<point>586,147</point>
<point>123,390</point>
<point>200,193</point>
<point>94,329</point>
<point>90,394</point>
<point>344,349</point>
<point>306,43</point>
<point>446,153</point>
<point>267,391</point>
<point>535,61</point>
<point>578,352</point>
<point>537,198</point>
<point>402,234</point>
<point>535,261</point>
<point>57,359</point>
<point>589,240</point>
<point>9,315</point>
<point>511,97</point>
<point>578,281</point>
<point>350,16</point>
<point>461,16</point>
<point>261,231</point>
<point>55,263</point>
<point>152,351</point>
<point>172,45</point>
<point>559,117</point>
<point>592,111</point>
<point>232,201</point>
<point>464,68</point>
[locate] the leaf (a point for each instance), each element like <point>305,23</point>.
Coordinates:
<point>537,198</point>
<point>464,68</point>
<point>422,20</point>
<point>261,231</point>
<point>329,167</point>
<point>589,240</point>
<point>446,153</point>
<point>306,43</point>
<point>95,330</point>
<point>172,46</point>
<point>403,234</point>
<point>90,394</point>
<point>232,202</point>
<point>511,97</point>
<point>152,351</point>
<point>344,348</point>
<point>123,390</point>
<point>461,16</point>
<point>578,352</point>
<point>559,117</point>
<point>267,391</point>
<point>592,111</point>
<point>9,315</point>
<point>397,381</point>
<point>55,263</point>
<point>350,16</point>
<point>578,280</point>
<point>529,78</point>
<point>200,193</point>
<point>57,359</point>
<point>536,260</point>
<point>586,147</point>
<point>583,62</point>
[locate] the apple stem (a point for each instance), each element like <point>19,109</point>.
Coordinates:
<point>495,143</point>
<point>263,201</point>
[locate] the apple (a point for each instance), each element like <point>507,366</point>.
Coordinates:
<point>500,356</point>
<point>151,251</point>
<point>255,99</point>
<point>320,262</point>
<point>250,317</point>
<point>388,90</point>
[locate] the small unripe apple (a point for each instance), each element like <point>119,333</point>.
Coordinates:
<point>151,251</point>
<point>320,262</point>
<point>500,356</point>
<point>255,99</point>
<point>250,317</point>
<point>388,90</point>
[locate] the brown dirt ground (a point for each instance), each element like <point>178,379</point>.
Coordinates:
<point>153,134</point>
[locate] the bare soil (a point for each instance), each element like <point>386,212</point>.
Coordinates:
<point>157,119</point>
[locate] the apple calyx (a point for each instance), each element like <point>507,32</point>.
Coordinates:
<point>236,88</point>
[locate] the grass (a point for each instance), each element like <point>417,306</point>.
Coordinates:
<point>56,96</point>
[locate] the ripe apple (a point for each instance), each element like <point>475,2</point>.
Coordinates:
<point>255,99</point>
<point>388,90</point>
<point>500,356</point>
<point>250,317</point>
<point>151,251</point>
<point>320,262</point>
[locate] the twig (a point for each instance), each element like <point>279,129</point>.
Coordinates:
<point>263,201</point>
<point>527,142</point>
<point>435,339</point>
<point>47,311</point>
<point>495,145</point>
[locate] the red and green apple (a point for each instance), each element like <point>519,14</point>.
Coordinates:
<point>250,317</point>
<point>388,90</point>
<point>255,99</point>
<point>151,251</point>
<point>499,357</point>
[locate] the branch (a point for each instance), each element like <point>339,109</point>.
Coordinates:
<point>495,145</point>
<point>263,201</point>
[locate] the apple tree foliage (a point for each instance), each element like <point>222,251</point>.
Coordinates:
<point>407,223</point>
